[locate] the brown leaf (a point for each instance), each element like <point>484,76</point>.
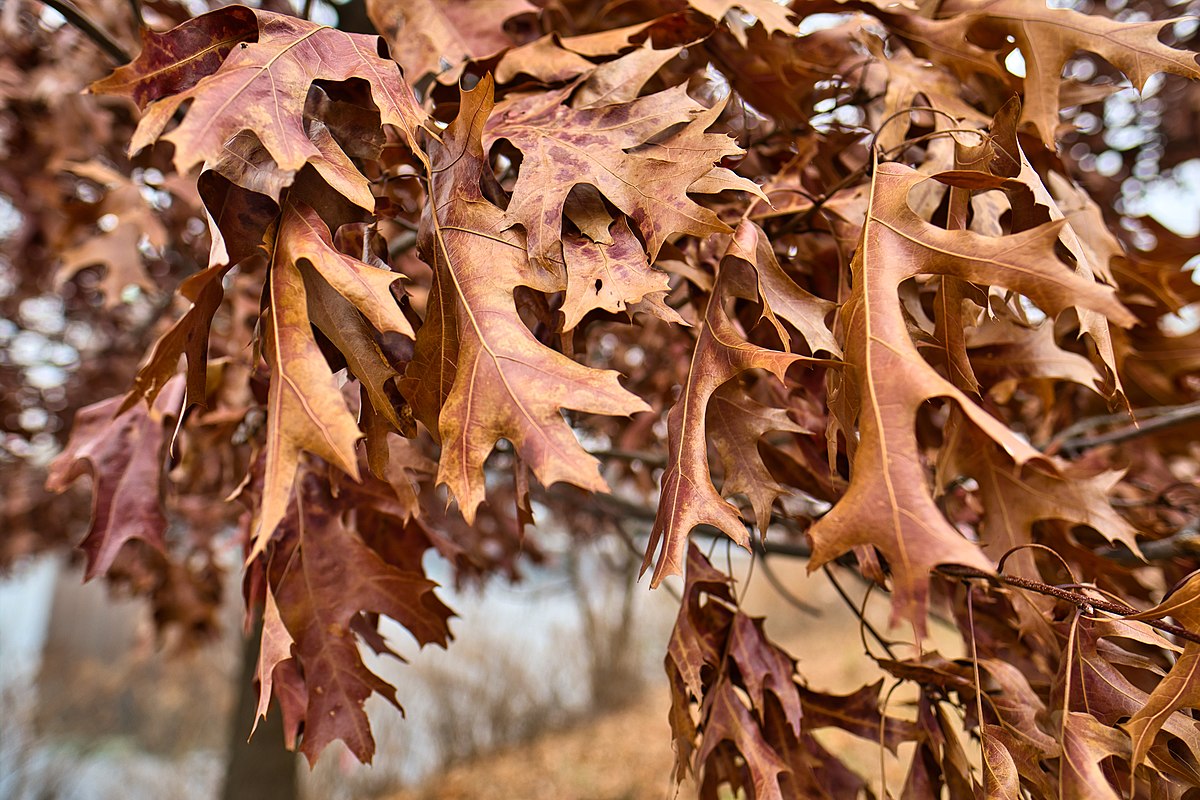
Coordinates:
<point>435,37</point>
<point>782,298</point>
<point>728,719</point>
<point>478,374</point>
<point>1085,744</point>
<point>1048,37</point>
<point>124,457</point>
<point>688,497</point>
<point>274,649</point>
<point>1181,687</point>
<point>609,146</point>
<point>263,86</point>
<point>889,504</point>
<point>857,713</point>
<point>305,407</point>
<point>321,557</point>
<point>735,424</point>
<point>772,16</point>
<point>611,277</point>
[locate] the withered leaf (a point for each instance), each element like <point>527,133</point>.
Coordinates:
<point>262,87</point>
<point>319,559</point>
<point>478,374</point>
<point>609,146</point>
<point>435,37</point>
<point>305,407</point>
<point>1048,37</point>
<point>612,277</point>
<point>175,61</point>
<point>886,381</point>
<point>124,456</point>
<point>688,497</point>
<point>1181,687</point>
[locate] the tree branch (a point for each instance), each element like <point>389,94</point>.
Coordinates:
<point>1081,601</point>
<point>1158,419</point>
<point>100,37</point>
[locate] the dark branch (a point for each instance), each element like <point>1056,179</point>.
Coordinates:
<point>102,38</point>
<point>1073,440</point>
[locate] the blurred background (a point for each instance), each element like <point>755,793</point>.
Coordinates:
<point>553,686</point>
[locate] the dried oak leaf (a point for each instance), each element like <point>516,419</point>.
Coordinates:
<point>1086,742</point>
<point>262,86</point>
<point>1180,689</point>
<point>317,560</point>
<point>728,719</point>
<point>889,504</point>
<point>123,453</point>
<point>1049,37</point>
<point>305,407</point>
<point>436,37</point>
<point>736,422</point>
<point>688,497</point>
<point>275,648</point>
<point>608,141</point>
<point>772,16</point>
<point>175,61</point>
<point>614,276</point>
<point>478,374</point>
<point>244,216</point>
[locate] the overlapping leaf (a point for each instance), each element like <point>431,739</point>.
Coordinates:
<point>305,408</point>
<point>320,557</point>
<point>260,87</point>
<point>124,456</point>
<point>478,374</point>
<point>605,140</point>
<point>886,381</point>
<point>435,37</point>
<point>1048,37</point>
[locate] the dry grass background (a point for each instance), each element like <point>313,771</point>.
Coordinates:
<point>626,754</point>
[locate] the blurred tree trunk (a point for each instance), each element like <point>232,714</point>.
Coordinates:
<point>260,769</point>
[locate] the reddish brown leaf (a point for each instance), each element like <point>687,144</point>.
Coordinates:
<point>319,559</point>
<point>435,37</point>
<point>124,457</point>
<point>262,87</point>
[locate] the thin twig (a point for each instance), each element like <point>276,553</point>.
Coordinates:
<point>1170,418</point>
<point>100,37</point>
<point>1081,601</point>
<point>135,8</point>
<point>779,586</point>
<point>860,613</point>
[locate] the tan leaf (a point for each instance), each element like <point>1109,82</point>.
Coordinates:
<point>305,407</point>
<point>124,457</point>
<point>609,147</point>
<point>1048,37</point>
<point>478,374</point>
<point>611,277</point>
<point>1180,689</point>
<point>435,37</point>
<point>688,497</point>
<point>889,504</point>
<point>735,424</point>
